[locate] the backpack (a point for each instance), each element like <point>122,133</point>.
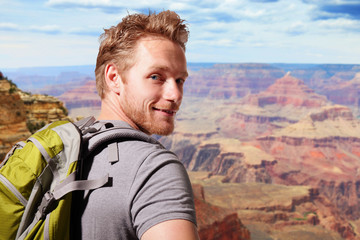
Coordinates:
<point>38,177</point>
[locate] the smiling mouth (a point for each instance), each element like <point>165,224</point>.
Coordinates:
<point>168,111</point>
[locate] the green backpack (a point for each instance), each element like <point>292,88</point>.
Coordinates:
<point>37,178</point>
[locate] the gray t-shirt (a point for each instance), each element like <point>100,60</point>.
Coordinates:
<point>149,185</point>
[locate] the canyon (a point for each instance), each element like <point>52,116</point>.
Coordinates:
<point>286,135</point>
<point>272,150</point>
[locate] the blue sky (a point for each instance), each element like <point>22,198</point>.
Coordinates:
<point>65,32</point>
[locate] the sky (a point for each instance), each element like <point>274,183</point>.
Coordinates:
<point>66,32</point>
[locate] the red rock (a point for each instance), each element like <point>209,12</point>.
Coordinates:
<point>287,91</point>
<point>217,223</point>
<point>20,112</point>
<point>285,102</point>
<point>84,96</point>
<point>346,93</point>
<point>224,81</point>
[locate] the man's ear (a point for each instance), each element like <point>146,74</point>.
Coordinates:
<point>113,78</point>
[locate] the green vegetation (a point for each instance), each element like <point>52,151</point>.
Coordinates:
<point>65,111</point>
<point>33,127</point>
<point>305,215</point>
<point>12,90</point>
<point>13,86</point>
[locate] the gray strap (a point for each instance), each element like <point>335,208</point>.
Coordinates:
<point>67,180</point>
<point>117,134</point>
<point>85,122</point>
<point>46,228</point>
<point>49,199</point>
<point>41,148</point>
<point>80,185</point>
<point>93,129</point>
<point>51,161</point>
<point>113,152</point>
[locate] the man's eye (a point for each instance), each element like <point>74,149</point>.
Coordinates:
<point>180,81</point>
<point>155,77</point>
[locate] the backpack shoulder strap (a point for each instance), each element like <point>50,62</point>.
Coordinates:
<point>85,122</point>
<point>117,134</point>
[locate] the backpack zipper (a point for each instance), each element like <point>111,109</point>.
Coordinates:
<point>13,189</point>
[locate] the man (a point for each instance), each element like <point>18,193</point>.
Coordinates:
<point>140,73</point>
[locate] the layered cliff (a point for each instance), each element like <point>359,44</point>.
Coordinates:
<point>274,211</point>
<point>346,93</point>
<point>278,136</point>
<point>42,109</point>
<point>285,91</point>
<point>215,222</point>
<point>283,103</point>
<point>233,159</point>
<point>323,151</point>
<point>224,81</point>
<point>23,113</point>
<point>83,96</point>
<point>13,117</point>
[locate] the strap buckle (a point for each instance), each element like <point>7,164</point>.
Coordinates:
<point>47,204</point>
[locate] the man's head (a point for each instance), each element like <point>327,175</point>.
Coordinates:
<point>141,69</point>
<point>118,43</point>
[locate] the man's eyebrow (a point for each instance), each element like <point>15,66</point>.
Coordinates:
<point>162,68</point>
<point>185,74</point>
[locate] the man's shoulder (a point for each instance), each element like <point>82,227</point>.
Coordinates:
<point>125,132</point>
<point>134,144</point>
<point>145,150</point>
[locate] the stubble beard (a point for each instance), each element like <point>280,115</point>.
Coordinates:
<point>146,121</point>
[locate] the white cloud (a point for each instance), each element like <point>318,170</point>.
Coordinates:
<point>9,26</point>
<point>51,29</point>
<point>252,13</point>
<point>340,23</point>
<point>296,28</point>
<point>178,6</point>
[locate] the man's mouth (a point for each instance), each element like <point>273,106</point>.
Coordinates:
<point>167,111</point>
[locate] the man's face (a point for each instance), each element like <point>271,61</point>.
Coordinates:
<point>153,87</point>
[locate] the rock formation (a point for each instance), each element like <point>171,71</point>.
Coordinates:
<point>345,93</point>
<point>227,157</point>
<point>283,103</point>
<point>215,222</point>
<point>13,117</point>
<point>273,211</point>
<point>23,113</point>
<point>224,81</point>
<point>323,75</point>
<point>42,109</point>
<point>322,151</point>
<point>83,96</point>
<point>285,91</point>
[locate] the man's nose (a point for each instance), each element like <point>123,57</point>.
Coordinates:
<point>173,91</point>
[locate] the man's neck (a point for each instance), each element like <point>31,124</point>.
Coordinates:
<point>111,110</point>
